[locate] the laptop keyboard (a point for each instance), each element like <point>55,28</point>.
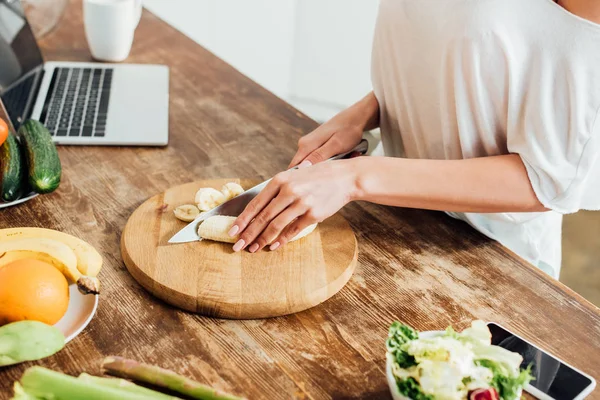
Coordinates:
<point>77,102</point>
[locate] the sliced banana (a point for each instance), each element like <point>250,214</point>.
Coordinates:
<point>231,190</point>
<point>186,212</point>
<point>217,228</point>
<point>209,198</point>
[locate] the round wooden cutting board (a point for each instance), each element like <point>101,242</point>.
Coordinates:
<point>209,278</point>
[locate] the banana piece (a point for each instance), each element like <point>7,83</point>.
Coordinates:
<point>216,228</point>
<point>209,198</point>
<point>55,253</point>
<point>231,190</point>
<point>89,261</point>
<point>186,212</point>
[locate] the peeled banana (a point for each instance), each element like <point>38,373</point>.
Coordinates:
<point>89,261</point>
<point>186,212</point>
<point>209,198</point>
<point>231,190</point>
<point>78,261</point>
<point>216,228</point>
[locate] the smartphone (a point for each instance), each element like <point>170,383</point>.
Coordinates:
<point>553,378</point>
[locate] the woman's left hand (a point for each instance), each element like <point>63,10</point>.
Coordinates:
<point>293,200</point>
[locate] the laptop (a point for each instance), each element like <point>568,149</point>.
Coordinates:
<point>80,103</point>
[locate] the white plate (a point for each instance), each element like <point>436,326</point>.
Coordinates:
<point>80,312</point>
<point>19,201</point>
<point>396,395</point>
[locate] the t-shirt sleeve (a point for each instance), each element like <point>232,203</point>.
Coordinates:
<point>561,154</point>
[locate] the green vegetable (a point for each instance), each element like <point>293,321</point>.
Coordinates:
<point>411,389</point>
<point>399,334</point>
<point>124,385</point>
<point>41,156</point>
<point>27,341</point>
<point>38,382</point>
<point>438,356</point>
<point>507,384</point>
<point>12,169</point>
<point>164,378</point>
<point>21,394</point>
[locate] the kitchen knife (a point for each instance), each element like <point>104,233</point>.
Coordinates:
<point>235,206</point>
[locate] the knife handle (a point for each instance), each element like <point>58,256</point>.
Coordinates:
<point>359,149</point>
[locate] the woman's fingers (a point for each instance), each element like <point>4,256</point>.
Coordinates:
<point>276,227</point>
<point>292,230</point>
<point>309,143</point>
<point>260,223</point>
<point>331,148</point>
<point>256,205</point>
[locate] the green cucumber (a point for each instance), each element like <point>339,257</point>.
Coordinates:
<point>41,156</point>
<point>12,169</point>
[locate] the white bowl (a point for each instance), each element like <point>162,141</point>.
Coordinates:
<point>80,312</point>
<point>19,201</point>
<point>396,395</point>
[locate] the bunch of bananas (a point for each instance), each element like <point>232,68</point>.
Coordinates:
<point>77,260</point>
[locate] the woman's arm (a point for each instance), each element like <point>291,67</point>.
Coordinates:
<point>481,185</point>
<point>297,198</point>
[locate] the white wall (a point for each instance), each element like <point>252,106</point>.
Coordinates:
<point>313,53</point>
<point>332,54</point>
<point>253,36</point>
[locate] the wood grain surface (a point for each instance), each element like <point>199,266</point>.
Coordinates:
<point>420,267</point>
<point>211,279</point>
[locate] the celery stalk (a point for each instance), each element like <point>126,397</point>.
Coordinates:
<point>164,378</point>
<point>124,385</point>
<point>48,384</point>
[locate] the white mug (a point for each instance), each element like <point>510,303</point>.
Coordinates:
<point>109,27</point>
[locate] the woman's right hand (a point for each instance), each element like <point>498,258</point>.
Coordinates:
<point>338,135</point>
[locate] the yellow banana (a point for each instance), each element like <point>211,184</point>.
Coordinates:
<point>16,255</point>
<point>56,253</point>
<point>89,261</point>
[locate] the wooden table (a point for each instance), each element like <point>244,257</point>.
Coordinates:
<point>415,266</point>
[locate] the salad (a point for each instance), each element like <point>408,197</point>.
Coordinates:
<point>454,365</point>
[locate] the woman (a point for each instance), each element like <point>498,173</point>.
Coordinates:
<point>488,110</point>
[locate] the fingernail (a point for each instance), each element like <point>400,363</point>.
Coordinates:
<point>238,245</point>
<point>234,229</point>
<point>274,246</point>
<point>305,164</point>
<point>253,248</point>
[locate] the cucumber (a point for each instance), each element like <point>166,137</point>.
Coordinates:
<point>44,169</point>
<point>12,169</point>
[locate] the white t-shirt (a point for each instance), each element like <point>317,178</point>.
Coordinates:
<point>459,79</point>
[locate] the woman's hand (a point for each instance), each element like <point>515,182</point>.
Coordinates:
<point>292,201</point>
<point>338,135</point>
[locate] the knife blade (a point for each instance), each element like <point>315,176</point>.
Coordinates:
<point>235,206</point>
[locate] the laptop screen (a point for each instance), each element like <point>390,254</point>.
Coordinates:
<point>20,58</point>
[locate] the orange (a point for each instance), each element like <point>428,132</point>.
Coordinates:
<point>32,290</point>
<point>3,131</point>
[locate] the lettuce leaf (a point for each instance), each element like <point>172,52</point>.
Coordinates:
<point>400,334</point>
<point>411,389</point>
<point>508,384</point>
